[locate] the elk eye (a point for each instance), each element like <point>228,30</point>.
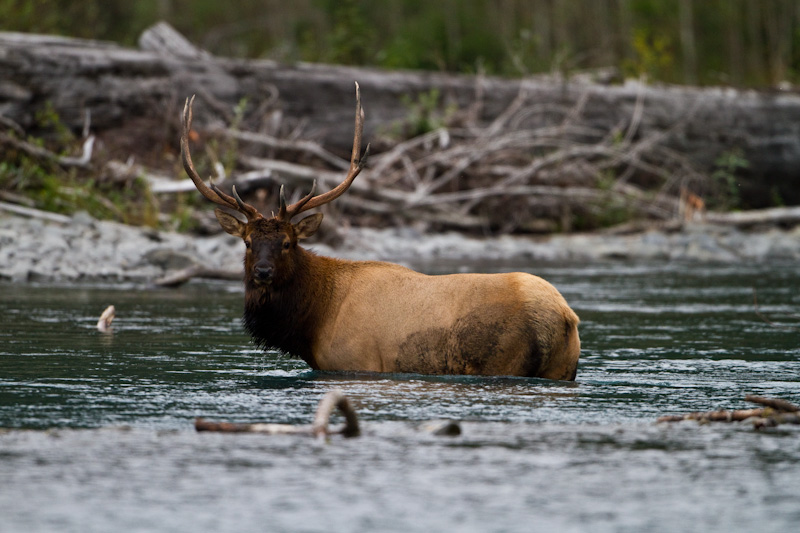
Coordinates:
<point>287,245</point>
<point>247,244</point>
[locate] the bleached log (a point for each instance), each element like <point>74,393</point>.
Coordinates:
<point>34,213</point>
<point>775,216</point>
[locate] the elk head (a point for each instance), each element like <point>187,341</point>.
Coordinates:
<point>271,256</point>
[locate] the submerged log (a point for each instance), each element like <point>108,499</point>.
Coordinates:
<point>775,403</point>
<point>319,428</point>
<point>775,412</point>
<point>715,416</point>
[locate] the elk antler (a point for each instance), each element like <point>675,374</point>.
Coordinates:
<point>212,193</point>
<point>357,163</point>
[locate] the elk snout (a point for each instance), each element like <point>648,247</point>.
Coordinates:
<point>263,273</point>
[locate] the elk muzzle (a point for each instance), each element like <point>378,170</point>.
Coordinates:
<point>263,274</point>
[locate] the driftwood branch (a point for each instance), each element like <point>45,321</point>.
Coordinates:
<point>764,317</point>
<point>335,399</point>
<point>775,403</point>
<point>774,412</point>
<point>331,400</point>
<point>34,213</point>
<point>300,146</point>
<point>106,318</point>
<point>43,153</point>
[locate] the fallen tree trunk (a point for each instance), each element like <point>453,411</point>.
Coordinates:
<point>776,216</point>
<point>121,87</point>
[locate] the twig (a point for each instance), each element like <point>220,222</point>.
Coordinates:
<point>10,124</point>
<point>308,147</point>
<point>764,317</point>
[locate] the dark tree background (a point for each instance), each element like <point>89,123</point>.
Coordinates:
<point>751,43</point>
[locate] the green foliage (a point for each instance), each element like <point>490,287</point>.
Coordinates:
<point>90,19</point>
<point>350,38</point>
<point>741,42</point>
<point>230,147</point>
<point>183,218</point>
<point>424,114</point>
<point>775,196</point>
<point>59,189</point>
<point>47,118</point>
<point>654,56</point>
<point>726,179</point>
<point>607,212</point>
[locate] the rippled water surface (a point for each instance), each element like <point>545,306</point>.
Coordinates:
<point>99,433</point>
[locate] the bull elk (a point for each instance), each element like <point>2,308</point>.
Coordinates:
<point>381,317</point>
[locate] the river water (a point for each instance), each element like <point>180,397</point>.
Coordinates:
<point>99,427</point>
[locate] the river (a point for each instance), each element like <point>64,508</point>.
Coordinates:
<point>98,428</point>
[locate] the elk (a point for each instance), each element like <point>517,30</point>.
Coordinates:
<point>371,316</point>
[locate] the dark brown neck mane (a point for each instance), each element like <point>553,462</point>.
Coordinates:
<point>285,317</point>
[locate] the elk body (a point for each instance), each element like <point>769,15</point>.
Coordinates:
<point>382,317</point>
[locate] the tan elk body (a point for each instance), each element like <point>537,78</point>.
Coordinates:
<point>381,317</point>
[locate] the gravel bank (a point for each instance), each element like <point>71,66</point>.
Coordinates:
<point>92,250</point>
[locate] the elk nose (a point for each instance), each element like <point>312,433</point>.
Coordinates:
<point>263,273</point>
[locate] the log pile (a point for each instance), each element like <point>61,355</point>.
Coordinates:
<point>513,174</point>
<point>773,413</point>
<point>473,153</point>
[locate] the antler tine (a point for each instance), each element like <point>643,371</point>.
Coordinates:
<point>248,210</point>
<point>357,163</point>
<point>213,192</point>
<point>286,213</point>
<point>282,210</point>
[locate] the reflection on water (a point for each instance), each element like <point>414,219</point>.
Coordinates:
<point>656,340</point>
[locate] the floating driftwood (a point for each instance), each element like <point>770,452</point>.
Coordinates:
<point>319,428</point>
<point>106,318</point>
<point>774,412</point>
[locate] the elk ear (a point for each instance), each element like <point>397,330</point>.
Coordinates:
<point>230,223</point>
<point>308,226</point>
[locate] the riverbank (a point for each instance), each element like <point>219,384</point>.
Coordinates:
<point>81,248</point>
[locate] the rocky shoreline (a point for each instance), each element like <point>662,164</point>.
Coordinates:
<point>80,248</point>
